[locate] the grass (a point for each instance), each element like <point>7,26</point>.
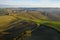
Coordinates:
<point>55,25</point>
<point>52,24</point>
<point>4,21</point>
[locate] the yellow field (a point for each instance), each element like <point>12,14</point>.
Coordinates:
<point>4,21</point>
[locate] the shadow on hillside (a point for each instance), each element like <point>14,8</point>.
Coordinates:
<point>43,32</point>
<point>16,29</point>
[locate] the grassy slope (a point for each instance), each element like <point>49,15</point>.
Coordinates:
<point>32,15</point>
<point>53,24</point>
<point>4,21</point>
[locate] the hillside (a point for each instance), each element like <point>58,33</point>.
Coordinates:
<point>17,23</point>
<point>29,15</point>
<point>36,14</point>
<point>5,21</point>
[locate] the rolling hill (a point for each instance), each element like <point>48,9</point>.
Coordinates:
<point>14,21</point>
<point>35,14</point>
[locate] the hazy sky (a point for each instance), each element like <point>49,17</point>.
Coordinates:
<point>31,3</point>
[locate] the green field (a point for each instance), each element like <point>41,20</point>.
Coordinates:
<point>55,25</point>
<point>5,21</point>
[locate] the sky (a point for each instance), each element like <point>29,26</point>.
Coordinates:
<point>31,3</point>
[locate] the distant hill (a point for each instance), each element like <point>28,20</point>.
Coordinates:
<point>36,13</point>
<point>47,14</point>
